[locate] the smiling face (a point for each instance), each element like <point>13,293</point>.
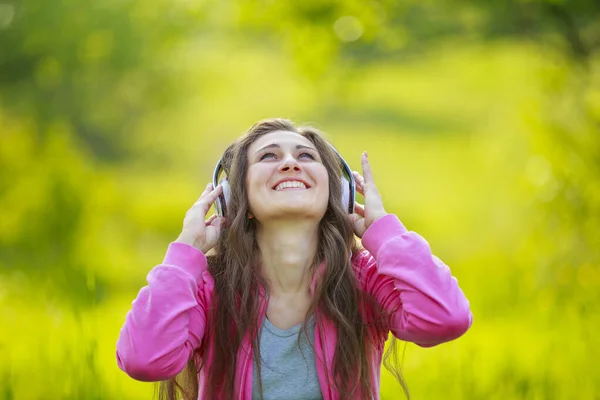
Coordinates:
<point>286,178</point>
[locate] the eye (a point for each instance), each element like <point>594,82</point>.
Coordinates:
<point>310,155</point>
<point>267,155</point>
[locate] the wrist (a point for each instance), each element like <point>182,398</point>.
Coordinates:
<point>187,238</point>
<point>377,217</point>
<point>191,240</point>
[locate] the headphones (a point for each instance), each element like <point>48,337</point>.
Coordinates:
<point>347,196</point>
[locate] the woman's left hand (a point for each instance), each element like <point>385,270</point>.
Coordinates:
<point>372,210</point>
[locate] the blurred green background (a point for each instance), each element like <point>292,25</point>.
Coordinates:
<point>481,120</point>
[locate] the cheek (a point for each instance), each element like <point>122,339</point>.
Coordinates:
<point>251,189</point>
<point>256,179</point>
<point>324,178</point>
<point>255,184</point>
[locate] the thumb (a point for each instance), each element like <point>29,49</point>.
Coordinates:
<point>218,222</point>
<point>354,218</point>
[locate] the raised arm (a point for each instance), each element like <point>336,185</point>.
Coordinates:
<point>167,320</point>
<point>426,304</point>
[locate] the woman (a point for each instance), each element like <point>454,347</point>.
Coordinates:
<point>288,306</point>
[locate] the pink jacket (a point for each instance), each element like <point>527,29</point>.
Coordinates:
<point>168,318</point>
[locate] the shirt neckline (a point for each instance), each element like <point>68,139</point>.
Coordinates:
<point>285,332</point>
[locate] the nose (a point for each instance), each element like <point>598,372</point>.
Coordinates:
<point>289,163</point>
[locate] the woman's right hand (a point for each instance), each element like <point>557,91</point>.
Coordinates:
<point>198,231</point>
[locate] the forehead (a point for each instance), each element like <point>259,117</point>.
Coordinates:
<point>282,138</point>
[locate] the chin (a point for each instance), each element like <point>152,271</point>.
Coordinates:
<point>299,212</point>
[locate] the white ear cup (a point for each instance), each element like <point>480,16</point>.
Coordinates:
<point>346,195</point>
<point>224,198</point>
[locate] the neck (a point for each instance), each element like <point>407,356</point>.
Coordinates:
<point>288,249</point>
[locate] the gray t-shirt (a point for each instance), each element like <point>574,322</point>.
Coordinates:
<point>287,372</point>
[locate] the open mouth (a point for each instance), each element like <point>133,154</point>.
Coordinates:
<point>286,185</point>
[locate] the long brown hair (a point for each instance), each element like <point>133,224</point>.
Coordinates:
<point>235,307</point>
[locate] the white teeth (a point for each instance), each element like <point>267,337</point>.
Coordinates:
<point>290,184</point>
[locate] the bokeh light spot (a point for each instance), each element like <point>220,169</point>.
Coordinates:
<point>7,14</point>
<point>348,28</point>
<point>538,170</point>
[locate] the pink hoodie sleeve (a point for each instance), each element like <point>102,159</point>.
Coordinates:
<point>167,320</point>
<point>426,304</point>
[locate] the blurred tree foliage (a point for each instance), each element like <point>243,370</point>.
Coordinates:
<point>94,66</point>
<point>76,77</point>
<point>80,81</point>
<point>389,28</point>
<point>90,70</point>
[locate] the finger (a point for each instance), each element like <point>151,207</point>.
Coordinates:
<point>358,177</point>
<point>358,180</point>
<point>359,209</point>
<point>360,190</point>
<point>206,201</point>
<point>354,218</point>
<point>218,222</point>
<point>357,224</point>
<point>369,186</point>
<point>210,220</point>
<point>207,190</point>
<point>366,167</point>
